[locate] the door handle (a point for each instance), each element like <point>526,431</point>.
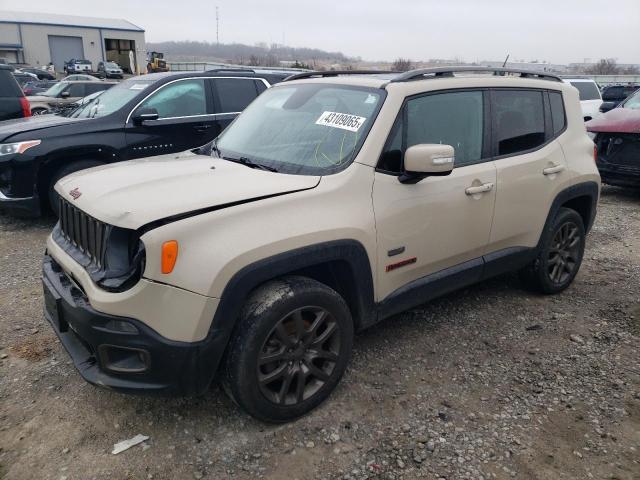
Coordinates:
<point>485,187</point>
<point>202,128</point>
<point>552,170</point>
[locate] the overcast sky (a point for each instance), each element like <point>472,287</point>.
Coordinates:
<point>558,31</point>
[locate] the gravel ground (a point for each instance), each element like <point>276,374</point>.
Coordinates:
<point>489,382</point>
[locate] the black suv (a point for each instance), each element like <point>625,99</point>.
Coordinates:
<point>13,103</point>
<point>140,117</point>
<point>614,95</point>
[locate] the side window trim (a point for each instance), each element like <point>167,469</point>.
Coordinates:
<point>401,118</point>
<point>548,139</point>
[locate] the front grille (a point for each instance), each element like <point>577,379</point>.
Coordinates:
<point>621,149</point>
<point>85,232</point>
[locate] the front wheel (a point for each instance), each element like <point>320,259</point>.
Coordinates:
<point>290,349</point>
<point>39,111</point>
<point>560,255</point>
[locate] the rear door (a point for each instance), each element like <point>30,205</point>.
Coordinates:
<point>185,119</point>
<point>530,163</point>
<point>232,95</point>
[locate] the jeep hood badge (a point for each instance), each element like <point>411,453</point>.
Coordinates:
<point>75,193</point>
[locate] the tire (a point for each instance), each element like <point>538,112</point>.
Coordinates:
<point>39,111</point>
<point>560,256</point>
<point>276,371</point>
<point>67,169</point>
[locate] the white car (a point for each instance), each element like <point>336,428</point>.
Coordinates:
<point>80,77</point>
<point>590,97</point>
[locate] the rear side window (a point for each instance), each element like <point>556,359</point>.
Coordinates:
<point>557,112</point>
<point>8,85</point>
<point>519,120</point>
<point>234,94</point>
<point>587,90</point>
<point>98,87</point>
<point>76,90</point>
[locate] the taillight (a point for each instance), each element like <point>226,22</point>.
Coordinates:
<point>26,108</point>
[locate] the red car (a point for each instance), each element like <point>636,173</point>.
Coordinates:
<point>617,138</point>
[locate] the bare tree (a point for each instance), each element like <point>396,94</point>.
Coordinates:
<point>606,66</point>
<point>402,65</point>
<point>632,70</point>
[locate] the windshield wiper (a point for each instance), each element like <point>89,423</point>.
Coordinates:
<point>248,162</point>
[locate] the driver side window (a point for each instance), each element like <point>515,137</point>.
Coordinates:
<point>455,119</point>
<point>184,98</point>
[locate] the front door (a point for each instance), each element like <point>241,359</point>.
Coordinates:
<point>439,222</point>
<point>185,120</point>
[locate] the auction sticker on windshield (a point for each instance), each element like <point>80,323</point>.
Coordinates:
<point>341,120</point>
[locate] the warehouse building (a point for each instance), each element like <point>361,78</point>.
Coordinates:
<point>38,38</point>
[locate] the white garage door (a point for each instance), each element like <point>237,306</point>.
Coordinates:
<point>64,49</point>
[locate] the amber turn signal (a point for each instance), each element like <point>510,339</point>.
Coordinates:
<point>169,255</point>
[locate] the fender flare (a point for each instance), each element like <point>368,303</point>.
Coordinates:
<point>237,290</point>
<point>589,189</point>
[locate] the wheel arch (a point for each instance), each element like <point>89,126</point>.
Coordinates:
<point>581,197</point>
<point>340,264</point>
<point>55,159</point>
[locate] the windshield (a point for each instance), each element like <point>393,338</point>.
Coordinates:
<point>111,65</point>
<point>113,99</point>
<point>633,101</point>
<point>312,129</point>
<point>77,106</point>
<point>55,90</point>
<point>587,90</point>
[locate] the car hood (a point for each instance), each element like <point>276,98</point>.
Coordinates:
<point>137,192</point>
<point>618,120</point>
<point>41,98</point>
<point>9,128</point>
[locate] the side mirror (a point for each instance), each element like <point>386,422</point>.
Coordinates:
<point>145,114</point>
<point>425,160</point>
<point>65,95</point>
<point>606,106</point>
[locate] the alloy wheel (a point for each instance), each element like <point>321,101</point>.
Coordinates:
<point>564,253</point>
<point>299,356</point>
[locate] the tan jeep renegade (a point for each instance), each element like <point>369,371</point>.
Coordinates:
<point>334,201</point>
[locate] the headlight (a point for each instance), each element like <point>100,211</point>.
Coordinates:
<point>18,147</point>
<point>592,135</point>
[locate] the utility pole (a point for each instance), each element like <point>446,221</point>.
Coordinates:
<point>217,27</point>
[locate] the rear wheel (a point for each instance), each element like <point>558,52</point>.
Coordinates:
<point>39,111</point>
<point>290,349</point>
<point>560,255</point>
<point>67,169</point>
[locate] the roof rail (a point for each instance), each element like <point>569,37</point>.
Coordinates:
<point>246,70</point>
<point>335,73</point>
<point>424,73</point>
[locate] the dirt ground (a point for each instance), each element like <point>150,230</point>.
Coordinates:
<point>488,382</point>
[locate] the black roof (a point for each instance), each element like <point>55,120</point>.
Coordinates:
<point>227,72</point>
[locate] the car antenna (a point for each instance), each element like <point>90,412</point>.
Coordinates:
<point>505,60</point>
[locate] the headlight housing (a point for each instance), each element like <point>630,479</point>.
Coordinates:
<point>17,147</point>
